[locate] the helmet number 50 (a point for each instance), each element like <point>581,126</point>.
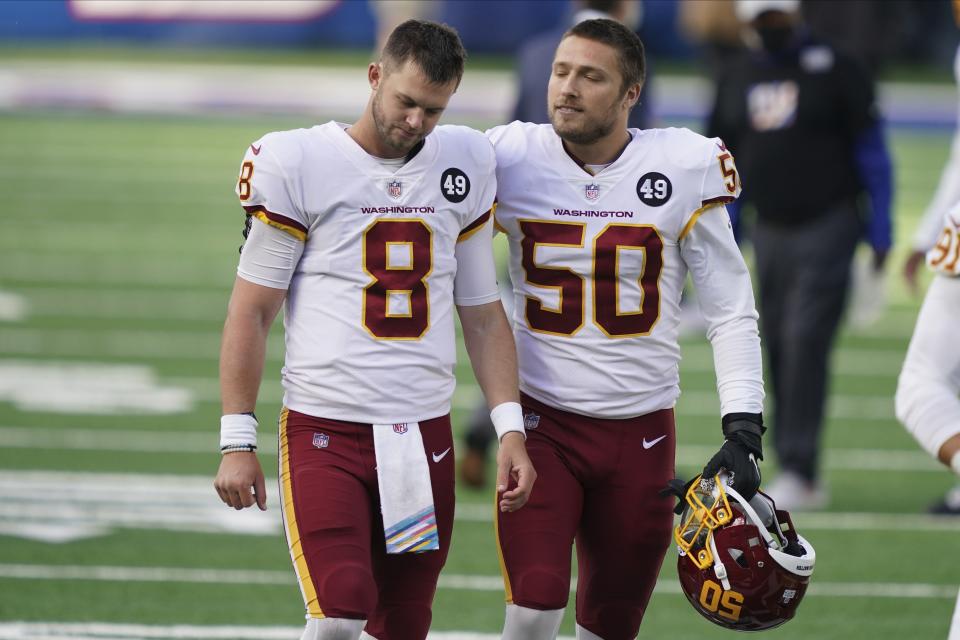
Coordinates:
<point>726,604</point>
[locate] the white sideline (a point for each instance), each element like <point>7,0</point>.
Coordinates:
<point>61,506</point>
<point>166,345</point>
<point>451,581</point>
<point>143,440</point>
<point>115,631</point>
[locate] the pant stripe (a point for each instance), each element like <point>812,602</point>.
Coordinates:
<point>290,526</point>
<point>496,534</point>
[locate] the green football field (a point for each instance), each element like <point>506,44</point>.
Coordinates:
<point>117,252</point>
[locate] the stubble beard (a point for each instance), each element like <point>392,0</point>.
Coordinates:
<point>384,129</point>
<point>589,131</point>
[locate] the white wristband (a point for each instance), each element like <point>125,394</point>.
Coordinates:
<point>955,463</point>
<point>507,417</point>
<point>238,429</point>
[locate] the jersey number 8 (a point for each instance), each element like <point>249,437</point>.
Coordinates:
<point>410,243</point>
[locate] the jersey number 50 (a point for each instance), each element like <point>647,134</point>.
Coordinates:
<point>607,245</point>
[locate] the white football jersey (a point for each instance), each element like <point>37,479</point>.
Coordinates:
<point>596,262</point>
<point>369,311</point>
<point>944,257</point>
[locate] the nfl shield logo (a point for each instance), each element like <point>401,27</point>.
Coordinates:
<point>531,421</point>
<point>394,189</point>
<point>321,440</point>
<point>592,191</point>
<point>400,428</point>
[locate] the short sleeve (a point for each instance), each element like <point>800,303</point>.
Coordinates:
<point>265,189</point>
<point>944,257</point>
<point>483,210</point>
<point>721,180</point>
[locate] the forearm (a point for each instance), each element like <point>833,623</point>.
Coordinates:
<point>725,297</point>
<point>926,401</point>
<point>489,342</point>
<point>949,451</point>
<point>242,354</point>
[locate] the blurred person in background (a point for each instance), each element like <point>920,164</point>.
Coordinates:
<point>369,234</point>
<point>802,119</point>
<point>868,30</point>
<point>604,224</point>
<point>713,26</point>
<point>389,14</point>
<point>930,380</point>
<point>534,60</point>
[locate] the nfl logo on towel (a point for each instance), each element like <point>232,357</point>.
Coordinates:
<point>394,189</point>
<point>400,428</point>
<point>592,191</point>
<point>321,440</point>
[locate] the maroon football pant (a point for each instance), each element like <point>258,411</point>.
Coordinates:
<point>331,512</point>
<point>598,483</point>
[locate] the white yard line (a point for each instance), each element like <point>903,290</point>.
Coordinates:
<point>203,344</point>
<point>115,631</point>
<point>816,521</point>
<point>115,303</point>
<point>129,440</point>
<point>57,506</point>
<point>447,581</point>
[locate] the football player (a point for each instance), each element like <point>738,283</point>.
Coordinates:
<point>604,224</point>
<point>928,390</point>
<point>368,234</point>
<point>927,400</point>
<point>925,239</point>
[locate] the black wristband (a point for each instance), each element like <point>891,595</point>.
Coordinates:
<point>749,422</point>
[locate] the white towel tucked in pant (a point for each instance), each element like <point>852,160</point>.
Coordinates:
<point>406,495</point>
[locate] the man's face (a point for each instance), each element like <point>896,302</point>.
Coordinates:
<point>585,97</point>
<point>406,106</point>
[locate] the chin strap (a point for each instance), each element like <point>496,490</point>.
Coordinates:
<point>718,567</point>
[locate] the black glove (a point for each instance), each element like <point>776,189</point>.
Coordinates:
<point>740,452</point>
<point>677,488</point>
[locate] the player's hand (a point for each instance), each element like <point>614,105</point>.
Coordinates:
<point>514,463</point>
<point>911,268</point>
<point>740,464</point>
<point>739,454</point>
<point>880,259</point>
<point>239,481</point>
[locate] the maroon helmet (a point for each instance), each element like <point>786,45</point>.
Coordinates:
<point>742,564</point>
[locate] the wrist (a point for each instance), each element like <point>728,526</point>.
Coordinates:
<point>955,463</point>
<point>238,432</point>
<point>238,448</point>
<point>507,417</point>
<point>746,429</point>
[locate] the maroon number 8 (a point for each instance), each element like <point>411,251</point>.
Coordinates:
<point>408,279</point>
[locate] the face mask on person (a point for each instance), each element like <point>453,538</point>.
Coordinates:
<point>775,39</point>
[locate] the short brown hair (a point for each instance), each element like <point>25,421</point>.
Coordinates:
<point>435,48</point>
<point>629,48</point>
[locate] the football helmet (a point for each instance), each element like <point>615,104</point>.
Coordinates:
<point>742,564</point>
